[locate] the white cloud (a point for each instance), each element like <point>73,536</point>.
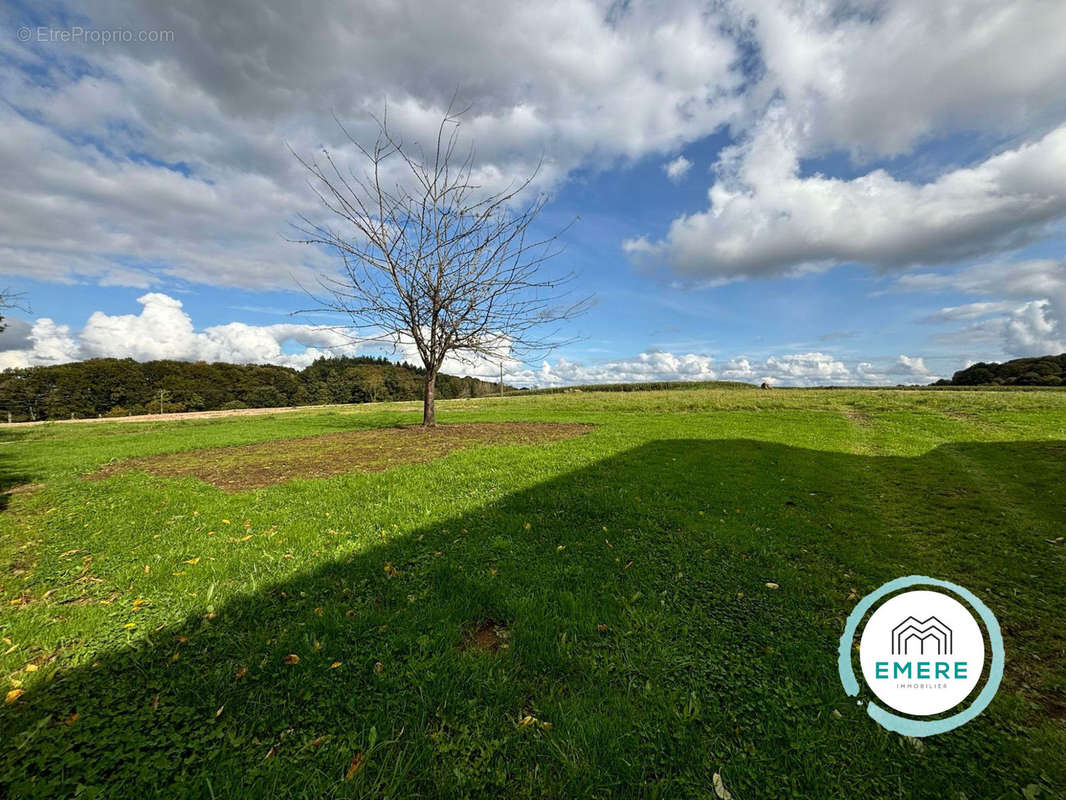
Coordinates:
<point>909,365</point>
<point>765,219</point>
<point>876,80</point>
<point>1030,320</point>
<point>169,161</point>
<point>677,169</point>
<point>164,330</point>
<point>877,77</point>
<point>47,343</point>
<point>799,369</point>
<point>905,370</point>
<point>1032,330</point>
<point>653,365</point>
<point>969,311</point>
<point>173,157</point>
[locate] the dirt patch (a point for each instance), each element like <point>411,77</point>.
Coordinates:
<point>860,418</point>
<point>254,466</point>
<point>25,488</point>
<point>488,636</point>
<point>965,416</point>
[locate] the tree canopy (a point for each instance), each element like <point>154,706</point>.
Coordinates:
<point>121,387</point>
<point>1040,371</point>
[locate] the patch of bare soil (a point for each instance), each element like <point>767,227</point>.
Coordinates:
<point>860,418</point>
<point>487,636</point>
<point>965,416</point>
<point>25,488</point>
<point>254,466</point>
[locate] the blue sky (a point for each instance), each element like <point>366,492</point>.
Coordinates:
<point>855,198</point>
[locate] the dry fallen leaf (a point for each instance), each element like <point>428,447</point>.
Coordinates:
<point>719,788</point>
<point>72,718</point>
<point>318,740</point>
<point>291,658</point>
<point>335,664</point>
<point>772,585</point>
<point>193,561</point>
<point>12,696</point>
<point>356,765</point>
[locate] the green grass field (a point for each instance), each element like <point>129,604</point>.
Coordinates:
<point>588,617</point>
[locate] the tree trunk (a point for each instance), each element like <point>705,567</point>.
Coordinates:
<point>429,411</point>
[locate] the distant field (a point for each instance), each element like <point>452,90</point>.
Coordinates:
<point>534,611</point>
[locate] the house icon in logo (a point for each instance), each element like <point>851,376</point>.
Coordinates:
<point>914,632</point>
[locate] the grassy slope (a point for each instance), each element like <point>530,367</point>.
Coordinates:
<point>701,668</point>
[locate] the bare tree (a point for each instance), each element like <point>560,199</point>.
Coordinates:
<point>8,301</point>
<point>434,259</point>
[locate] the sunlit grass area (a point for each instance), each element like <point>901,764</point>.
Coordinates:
<point>625,612</point>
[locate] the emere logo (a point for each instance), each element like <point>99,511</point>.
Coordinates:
<point>918,630</point>
<point>922,653</point>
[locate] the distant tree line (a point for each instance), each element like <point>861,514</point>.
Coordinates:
<point>111,387</point>
<point>1042,371</point>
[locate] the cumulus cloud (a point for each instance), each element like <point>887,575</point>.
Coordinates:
<point>800,369</point>
<point>47,343</point>
<point>765,219</point>
<point>877,80</point>
<point>796,369</point>
<point>162,329</point>
<point>677,169</point>
<point>904,370</point>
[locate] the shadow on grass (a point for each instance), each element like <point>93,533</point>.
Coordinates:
<point>9,477</point>
<point>644,651</point>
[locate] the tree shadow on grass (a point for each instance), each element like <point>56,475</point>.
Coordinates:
<point>641,649</point>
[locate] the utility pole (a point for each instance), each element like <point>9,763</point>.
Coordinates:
<point>501,379</point>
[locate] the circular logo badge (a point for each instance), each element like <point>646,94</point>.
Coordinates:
<point>922,653</point>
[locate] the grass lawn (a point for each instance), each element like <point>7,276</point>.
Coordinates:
<point>582,616</point>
